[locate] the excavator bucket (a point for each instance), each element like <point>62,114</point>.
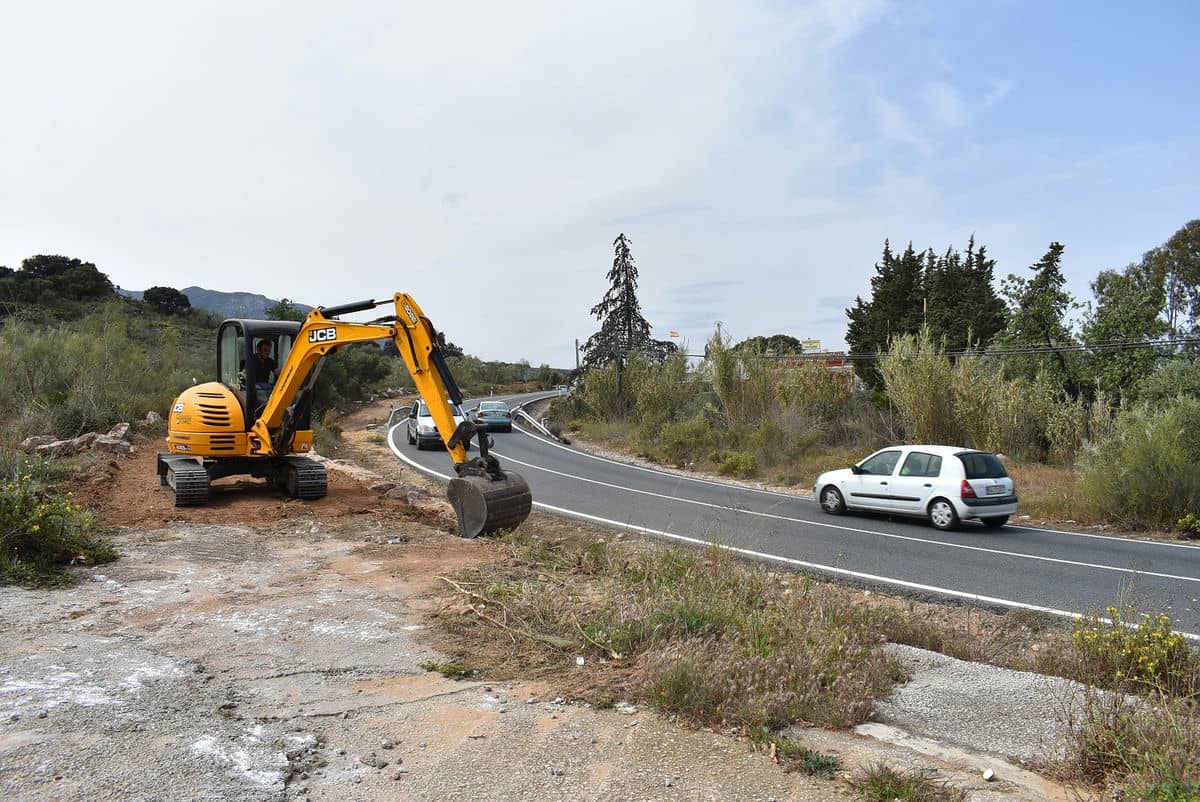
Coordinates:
<point>484,504</point>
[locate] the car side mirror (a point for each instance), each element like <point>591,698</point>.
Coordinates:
<point>856,470</point>
<point>412,413</point>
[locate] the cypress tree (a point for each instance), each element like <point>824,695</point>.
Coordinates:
<point>623,329</point>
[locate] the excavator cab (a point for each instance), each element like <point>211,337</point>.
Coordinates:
<point>239,343</point>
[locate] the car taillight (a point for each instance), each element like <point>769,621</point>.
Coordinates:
<point>967,490</point>
<point>508,414</point>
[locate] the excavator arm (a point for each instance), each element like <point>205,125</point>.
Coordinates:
<point>485,498</point>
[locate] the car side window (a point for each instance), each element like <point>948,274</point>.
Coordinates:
<point>882,464</point>
<point>919,463</point>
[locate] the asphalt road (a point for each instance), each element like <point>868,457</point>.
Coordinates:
<point>1016,566</point>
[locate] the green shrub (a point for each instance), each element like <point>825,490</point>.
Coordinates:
<point>1176,378</point>
<point>737,463</point>
<point>1144,473</point>
<point>1188,526</point>
<point>682,441</point>
<point>41,533</point>
<point>1144,656</point>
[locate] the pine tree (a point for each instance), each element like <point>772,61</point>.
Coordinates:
<point>1037,318</point>
<point>895,308</point>
<point>964,310</point>
<point>623,330</point>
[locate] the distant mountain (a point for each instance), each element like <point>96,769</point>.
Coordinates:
<point>224,304</point>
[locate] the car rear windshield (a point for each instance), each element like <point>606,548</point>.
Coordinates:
<point>982,466</point>
<point>500,405</point>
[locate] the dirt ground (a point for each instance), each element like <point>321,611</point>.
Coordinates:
<point>268,649</point>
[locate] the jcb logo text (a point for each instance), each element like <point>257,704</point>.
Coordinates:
<point>322,335</point>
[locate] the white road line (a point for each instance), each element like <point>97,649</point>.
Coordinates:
<point>811,500</point>
<point>890,535</point>
<point>775,557</point>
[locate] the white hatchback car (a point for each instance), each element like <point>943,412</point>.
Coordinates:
<point>945,484</point>
<point>422,431</point>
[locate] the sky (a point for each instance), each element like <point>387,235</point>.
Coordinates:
<point>483,156</point>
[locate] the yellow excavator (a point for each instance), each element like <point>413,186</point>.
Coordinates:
<point>256,418</point>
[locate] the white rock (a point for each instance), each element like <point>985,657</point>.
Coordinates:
<point>989,775</point>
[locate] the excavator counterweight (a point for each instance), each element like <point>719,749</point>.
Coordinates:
<point>255,418</point>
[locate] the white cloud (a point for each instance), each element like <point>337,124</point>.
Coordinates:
<point>482,158</point>
<point>895,125</point>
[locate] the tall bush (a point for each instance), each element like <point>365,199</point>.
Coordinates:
<point>916,373</point>
<point>1144,473</point>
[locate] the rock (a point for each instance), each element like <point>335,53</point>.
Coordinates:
<point>625,708</point>
<point>382,487</point>
<point>373,760</point>
<point>153,418</point>
<point>28,445</point>
<point>67,448</point>
<point>555,771</point>
<point>989,775</point>
<point>399,773</point>
<point>112,445</point>
<point>120,430</point>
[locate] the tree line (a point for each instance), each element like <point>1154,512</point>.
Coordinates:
<point>1032,319</point>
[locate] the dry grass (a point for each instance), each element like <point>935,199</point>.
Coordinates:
<point>709,639</point>
<point>881,783</point>
<point>1050,492</point>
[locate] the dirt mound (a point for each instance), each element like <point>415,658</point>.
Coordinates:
<point>126,492</point>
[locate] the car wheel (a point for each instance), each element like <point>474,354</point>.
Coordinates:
<point>832,501</point>
<point>942,515</point>
<point>995,522</point>
<point>412,441</point>
<point>508,429</point>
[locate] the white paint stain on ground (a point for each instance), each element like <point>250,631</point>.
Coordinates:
<point>246,758</point>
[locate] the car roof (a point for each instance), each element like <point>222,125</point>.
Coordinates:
<point>493,404</point>
<point>942,451</point>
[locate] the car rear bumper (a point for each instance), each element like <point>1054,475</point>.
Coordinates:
<point>492,424</point>
<point>986,507</point>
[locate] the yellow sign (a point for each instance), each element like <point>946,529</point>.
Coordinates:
<point>810,345</point>
<point>674,334</point>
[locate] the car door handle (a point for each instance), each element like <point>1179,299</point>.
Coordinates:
<point>883,483</point>
<point>929,484</point>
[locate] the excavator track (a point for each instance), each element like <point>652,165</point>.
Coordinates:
<point>306,479</point>
<point>186,482</point>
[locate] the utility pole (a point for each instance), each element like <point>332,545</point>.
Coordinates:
<point>576,356</point>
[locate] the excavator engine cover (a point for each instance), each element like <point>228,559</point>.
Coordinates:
<point>484,505</point>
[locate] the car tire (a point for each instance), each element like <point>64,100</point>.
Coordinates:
<point>508,429</point>
<point>832,501</point>
<point>942,515</point>
<point>412,441</point>
<point>995,522</point>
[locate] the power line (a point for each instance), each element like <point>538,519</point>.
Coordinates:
<point>1126,344</point>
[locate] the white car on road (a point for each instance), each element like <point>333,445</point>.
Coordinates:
<point>422,431</point>
<point>944,484</point>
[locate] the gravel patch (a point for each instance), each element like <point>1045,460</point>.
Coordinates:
<point>981,708</point>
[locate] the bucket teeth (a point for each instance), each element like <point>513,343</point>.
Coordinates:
<point>484,505</point>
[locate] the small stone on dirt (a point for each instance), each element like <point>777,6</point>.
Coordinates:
<point>373,760</point>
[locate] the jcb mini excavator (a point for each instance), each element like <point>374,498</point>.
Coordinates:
<point>242,424</point>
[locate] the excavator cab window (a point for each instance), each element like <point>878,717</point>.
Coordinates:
<point>249,356</point>
<point>231,356</point>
